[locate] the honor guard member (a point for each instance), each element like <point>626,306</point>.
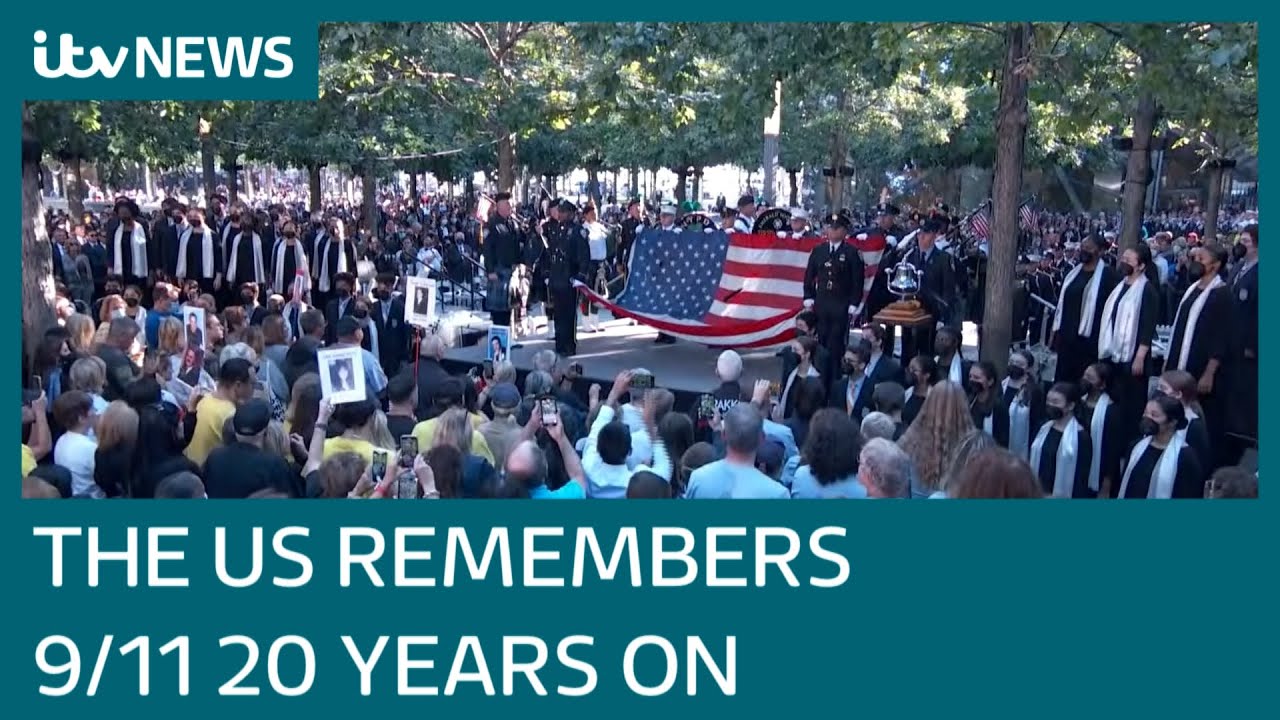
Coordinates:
<point>937,288</point>
<point>567,256</point>
<point>502,252</point>
<point>632,226</point>
<point>667,223</point>
<point>878,247</point>
<point>1042,284</point>
<point>746,214</point>
<point>800,224</point>
<point>728,219</point>
<point>833,290</point>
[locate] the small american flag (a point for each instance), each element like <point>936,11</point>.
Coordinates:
<point>717,289</point>
<point>1028,216</point>
<point>979,224</point>
<point>482,208</point>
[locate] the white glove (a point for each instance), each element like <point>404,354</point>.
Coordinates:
<point>808,304</point>
<point>862,236</point>
<point>782,233</point>
<point>892,241</point>
<point>855,311</point>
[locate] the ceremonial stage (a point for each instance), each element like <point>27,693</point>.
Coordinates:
<point>686,369</point>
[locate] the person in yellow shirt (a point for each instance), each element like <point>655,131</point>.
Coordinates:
<point>361,433</point>
<point>41,441</point>
<point>453,428</point>
<point>235,385</point>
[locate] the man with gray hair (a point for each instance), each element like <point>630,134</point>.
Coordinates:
<point>878,425</point>
<point>884,469</point>
<point>736,477</point>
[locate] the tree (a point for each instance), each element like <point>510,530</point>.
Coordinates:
<point>37,255</point>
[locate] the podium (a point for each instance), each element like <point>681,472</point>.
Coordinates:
<point>906,314</point>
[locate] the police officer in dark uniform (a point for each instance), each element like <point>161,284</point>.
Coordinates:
<point>1043,284</point>
<point>886,226</point>
<point>833,289</point>
<point>937,287</point>
<point>632,226</point>
<point>567,257</point>
<point>503,243</point>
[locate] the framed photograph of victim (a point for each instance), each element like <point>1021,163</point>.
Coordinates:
<point>497,344</point>
<point>193,324</point>
<point>420,301</point>
<point>341,375</point>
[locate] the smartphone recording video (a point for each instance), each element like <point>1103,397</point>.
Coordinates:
<point>378,469</point>
<point>550,413</point>
<point>642,381</point>
<point>408,450</point>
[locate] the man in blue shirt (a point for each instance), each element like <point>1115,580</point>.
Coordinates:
<point>736,477</point>
<point>165,300</point>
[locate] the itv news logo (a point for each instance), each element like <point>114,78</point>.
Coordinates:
<point>167,57</point>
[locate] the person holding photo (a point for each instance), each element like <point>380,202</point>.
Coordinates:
<point>497,353</point>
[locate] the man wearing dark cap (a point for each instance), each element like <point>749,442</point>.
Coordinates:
<point>503,243</point>
<point>833,290</point>
<point>502,432</point>
<point>242,467</point>
<point>937,287</point>
<point>878,247</point>
<point>746,214</point>
<point>129,248</point>
<point>567,257</point>
<point>632,226</point>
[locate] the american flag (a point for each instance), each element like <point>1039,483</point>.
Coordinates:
<point>1027,215</point>
<point>482,208</point>
<point>739,290</point>
<point>979,224</point>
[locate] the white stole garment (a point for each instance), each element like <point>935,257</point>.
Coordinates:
<point>138,239</point>
<point>1193,319</point>
<point>206,253</point>
<point>279,283</point>
<point>1019,423</point>
<point>259,275</point>
<point>956,372</point>
<point>1166,472</point>
<point>1097,425</point>
<point>1064,473</point>
<point>1088,304</point>
<point>1119,343</point>
<point>326,274</point>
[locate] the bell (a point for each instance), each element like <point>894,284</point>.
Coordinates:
<point>904,280</point>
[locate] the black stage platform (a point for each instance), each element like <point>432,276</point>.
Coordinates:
<point>686,369</point>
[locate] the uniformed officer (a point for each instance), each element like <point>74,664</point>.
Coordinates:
<point>632,226</point>
<point>667,222</point>
<point>503,249</point>
<point>800,224</point>
<point>937,288</point>
<point>746,214</point>
<point>728,219</point>
<point>878,246</point>
<point>568,255</point>
<point>833,289</point>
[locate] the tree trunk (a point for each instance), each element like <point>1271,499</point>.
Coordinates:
<point>682,184</point>
<point>248,181</point>
<point>37,256</point>
<point>772,128</point>
<point>593,184</point>
<point>1011,135</point>
<point>207,171</point>
<point>793,185</point>
<point>414,195</point>
<point>233,178</point>
<point>1213,202</point>
<point>369,197</point>
<point>313,183</point>
<point>75,192</point>
<point>839,151</point>
<point>506,162</point>
<point>1139,167</point>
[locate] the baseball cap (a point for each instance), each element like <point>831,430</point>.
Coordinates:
<point>252,417</point>
<point>505,396</point>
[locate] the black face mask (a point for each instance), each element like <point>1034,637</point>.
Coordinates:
<point>846,367</point>
<point>196,223</point>
<point>246,298</point>
<point>382,294</point>
<point>361,313</point>
<point>1148,427</point>
<point>1087,257</point>
<point>1195,270</point>
<point>942,349</point>
<point>800,333</point>
<point>1054,412</point>
<point>291,234</point>
<point>1238,251</point>
<point>1016,372</point>
<point>344,292</point>
<point>131,302</point>
<point>976,388</point>
<point>1125,269</point>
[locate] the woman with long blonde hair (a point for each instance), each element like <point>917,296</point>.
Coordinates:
<point>117,433</point>
<point>172,337</point>
<point>81,329</point>
<point>454,430</point>
<point>943,423</point>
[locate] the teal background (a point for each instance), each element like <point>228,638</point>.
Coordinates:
<point>953,609</point>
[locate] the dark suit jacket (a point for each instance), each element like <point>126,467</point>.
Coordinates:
<point>789,363</point>
<point>938,288</point>
<point>861,404</point>
<point>1244,295</point>
<point>393,334</point>
<point>430,376</point>
<point>331,318</point>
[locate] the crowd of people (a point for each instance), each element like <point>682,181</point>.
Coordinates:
<point>130,395</point>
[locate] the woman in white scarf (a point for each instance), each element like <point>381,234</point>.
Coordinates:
<point>1128,327</point>
<point>128,244</point>
<point>1098,414</point>
<point>198,255</point>
<point>1079,314</point>
<point>1062,453</point>
<point>1021,394</point>
<point>245,259</point>
<point>1161,465</point>
<point>1181,386</point>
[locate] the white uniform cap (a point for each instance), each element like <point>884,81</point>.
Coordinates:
<point>668,210</point>
<point>799,214</point>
